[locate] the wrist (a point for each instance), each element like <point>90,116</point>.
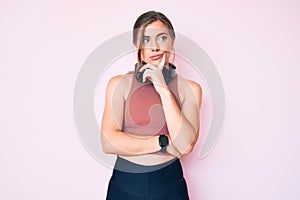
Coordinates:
<point>155,141</point>
<point>163,91</point>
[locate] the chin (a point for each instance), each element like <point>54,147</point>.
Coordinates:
<point>155,62</point>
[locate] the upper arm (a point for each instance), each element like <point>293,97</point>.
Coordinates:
<point>112,119</point>
<point>191,104</point>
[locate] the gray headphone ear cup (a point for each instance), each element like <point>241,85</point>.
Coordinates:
<point>139,77</point>
<point>172,67</point>
<point>168,73</point>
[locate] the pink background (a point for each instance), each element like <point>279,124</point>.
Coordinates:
<point>254,45</point>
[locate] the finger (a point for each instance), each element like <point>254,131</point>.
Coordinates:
<point>148,66</point>
<point>147,74</point>
<point>162,62</point>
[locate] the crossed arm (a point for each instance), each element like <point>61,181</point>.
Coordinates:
<point>113,139</point>
<point>183,124</point>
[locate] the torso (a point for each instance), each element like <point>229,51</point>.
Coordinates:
<point>127,80</point>
<point>150,159</point>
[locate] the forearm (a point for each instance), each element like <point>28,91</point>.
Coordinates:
<point>121,143</point>
<point>181,131</point>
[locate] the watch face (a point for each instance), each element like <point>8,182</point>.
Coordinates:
<point>163,141</point>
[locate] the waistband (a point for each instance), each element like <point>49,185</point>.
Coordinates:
<point>131,167</point>
<point>163,177</point>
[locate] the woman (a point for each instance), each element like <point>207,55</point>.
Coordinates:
<point>150,119</point>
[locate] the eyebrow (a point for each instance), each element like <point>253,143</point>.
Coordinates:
<point>157,34</point>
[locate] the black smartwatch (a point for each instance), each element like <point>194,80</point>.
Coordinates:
<point>163,143</point>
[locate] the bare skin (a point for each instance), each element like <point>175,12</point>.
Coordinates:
<point>183,124</point>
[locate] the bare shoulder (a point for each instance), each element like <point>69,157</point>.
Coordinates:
<point>189,88</point>
<point>183,82</point>
<point>120,80</point>
<point>120,83</point>
<point>196,87</point>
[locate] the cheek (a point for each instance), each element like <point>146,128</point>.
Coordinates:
<point>168,56</point>
<point>145,53</point>
<point>167,46</point>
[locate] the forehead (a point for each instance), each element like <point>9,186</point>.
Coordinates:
<point>155,28</point>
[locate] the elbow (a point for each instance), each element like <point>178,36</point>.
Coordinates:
<point>186,151</point>
<point>189,146</point>
<point>105,149</point>
<point>106,145</point>
<point>185,147</point>
<point>108,148</point>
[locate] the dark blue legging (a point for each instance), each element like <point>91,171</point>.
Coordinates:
<point>131,181</point>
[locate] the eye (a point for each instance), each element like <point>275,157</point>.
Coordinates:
<point>162,38</point>
<point>146,40</point>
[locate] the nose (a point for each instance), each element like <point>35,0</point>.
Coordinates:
<point>155,46</point>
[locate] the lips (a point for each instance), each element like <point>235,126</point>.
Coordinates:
<point>156,57</point>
